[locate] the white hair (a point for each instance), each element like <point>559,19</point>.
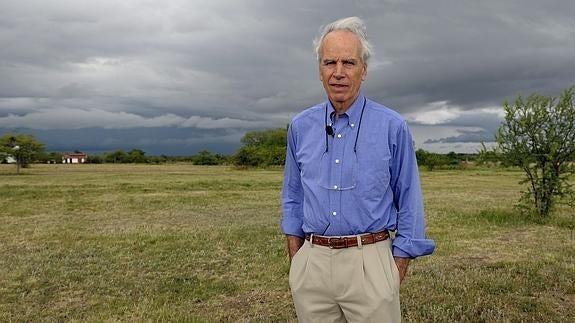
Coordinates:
<point>352,24</point>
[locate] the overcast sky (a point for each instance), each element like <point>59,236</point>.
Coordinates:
<point>179,76</point>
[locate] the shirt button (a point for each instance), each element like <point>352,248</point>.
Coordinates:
<point>335,187</point>
<point>352,125</point>
<point>333,213</point>
<point>339,135</point>
<point>337,161</point>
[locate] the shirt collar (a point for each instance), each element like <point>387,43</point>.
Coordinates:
<point>353,113</point>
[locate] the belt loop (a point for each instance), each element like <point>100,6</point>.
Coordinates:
<point>311,240</point>
<point>359,243</point>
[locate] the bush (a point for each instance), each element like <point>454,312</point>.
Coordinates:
<point>262,148</point>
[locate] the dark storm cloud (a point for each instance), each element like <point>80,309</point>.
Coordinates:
<point>136,66</point>
<point>153,141</point>
<point>465,136</point>
<point>475,53</point>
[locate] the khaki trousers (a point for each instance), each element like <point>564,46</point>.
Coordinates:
<point>357,284</point>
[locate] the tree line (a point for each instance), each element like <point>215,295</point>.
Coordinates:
<point>36,154</point>
<point>259,149</point>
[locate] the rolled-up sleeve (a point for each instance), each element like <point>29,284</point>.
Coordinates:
<point>410,240</point>
<point>292,190</point>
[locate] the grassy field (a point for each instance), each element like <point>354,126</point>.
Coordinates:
<point>196,243</point>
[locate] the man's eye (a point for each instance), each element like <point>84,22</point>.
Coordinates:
<point>328,63</point>
<point>349,63</point>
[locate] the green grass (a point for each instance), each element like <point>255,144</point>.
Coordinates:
<point>191,243</point>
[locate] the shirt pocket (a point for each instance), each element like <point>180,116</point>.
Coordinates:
<point>373,178</point>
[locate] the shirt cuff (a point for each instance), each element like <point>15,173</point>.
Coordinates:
<point>292,227</point>
<point>412,248</point>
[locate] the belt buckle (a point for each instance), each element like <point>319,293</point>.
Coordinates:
<point>333,242</point>
<point>329,242</point>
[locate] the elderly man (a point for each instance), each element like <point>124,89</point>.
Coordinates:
<point>350,178</point>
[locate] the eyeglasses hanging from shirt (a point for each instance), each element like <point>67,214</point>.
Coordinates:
<point>331,132</point>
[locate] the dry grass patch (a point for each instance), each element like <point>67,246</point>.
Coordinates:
<point>187,243</point>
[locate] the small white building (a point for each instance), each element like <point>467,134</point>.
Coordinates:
<point>8,159</point>
<point>74,158</point>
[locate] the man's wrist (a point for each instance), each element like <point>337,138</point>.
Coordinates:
<point>294,244</point>
<point>402,264</point>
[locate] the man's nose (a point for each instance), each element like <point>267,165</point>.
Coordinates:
<point>339,71</point>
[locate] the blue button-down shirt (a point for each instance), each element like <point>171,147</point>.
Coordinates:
<point>330,189</point>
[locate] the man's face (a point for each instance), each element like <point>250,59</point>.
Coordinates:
<point>341,68</point>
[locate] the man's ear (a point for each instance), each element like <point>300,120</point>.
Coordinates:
<point>364,73</point>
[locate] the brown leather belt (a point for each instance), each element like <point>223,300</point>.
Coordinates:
<point>346,242</point>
